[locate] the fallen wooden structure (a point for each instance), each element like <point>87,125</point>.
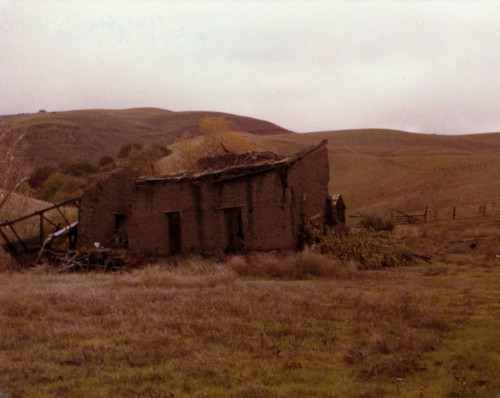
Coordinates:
<point>70,230</point>
<point>100,259</point>
<point>52,222</point>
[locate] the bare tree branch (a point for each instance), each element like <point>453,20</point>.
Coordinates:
<point>7,194</point>
<point>13,170</point>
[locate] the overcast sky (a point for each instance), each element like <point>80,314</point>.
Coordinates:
<point>422,66</point>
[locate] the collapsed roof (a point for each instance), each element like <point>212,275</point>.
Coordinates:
<point>235,165</point>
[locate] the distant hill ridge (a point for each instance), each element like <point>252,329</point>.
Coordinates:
<point>90,134</point>
<point>374,169</point>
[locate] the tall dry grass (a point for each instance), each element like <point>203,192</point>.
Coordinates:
<point>199,330</point>
<point>189,273</point>
<point>292,266</point>
<point>477,239</point>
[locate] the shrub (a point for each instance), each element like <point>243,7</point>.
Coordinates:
<point>77,169</point>
<point>371,249</point>
<point>60,187</point>
<point>124,151</point>
<point>162,150</point>
<point>106,160</point>
<point>375,222</point>
<point>126,148</point>
<point>142,159</point>
<point>40,175</point>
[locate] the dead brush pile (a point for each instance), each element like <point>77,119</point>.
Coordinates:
<point>368,248</point>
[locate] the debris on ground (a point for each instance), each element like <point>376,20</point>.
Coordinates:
<point>101,259</point>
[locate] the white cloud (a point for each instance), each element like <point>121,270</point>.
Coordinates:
<point>305,65</point>
<point>5,4</point>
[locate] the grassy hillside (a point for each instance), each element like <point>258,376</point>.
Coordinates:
<point>380,169</point>
<point>86,135</point>
<point>374,169</point>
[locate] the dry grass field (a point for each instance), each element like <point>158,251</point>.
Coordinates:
<point>199,329</point>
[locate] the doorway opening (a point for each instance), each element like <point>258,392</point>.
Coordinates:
<point>235,237</point>
<point>174,232</point>
<point>120,237</point>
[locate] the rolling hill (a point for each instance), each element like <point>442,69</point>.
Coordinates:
<point>374,169</point>
<point>377,170</point>
<point>86,135</point>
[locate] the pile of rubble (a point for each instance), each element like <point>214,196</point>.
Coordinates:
<point>100,259</point>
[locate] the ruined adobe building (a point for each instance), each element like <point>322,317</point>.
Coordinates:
<point>238,202</point>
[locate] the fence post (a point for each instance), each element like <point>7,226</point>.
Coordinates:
<point>484,210</point>
<point>454,212</point>
<point>425,213</point>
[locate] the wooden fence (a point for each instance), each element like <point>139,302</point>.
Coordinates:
<point>442,213</point>
<point>403,218</point>
<point>433,213</point>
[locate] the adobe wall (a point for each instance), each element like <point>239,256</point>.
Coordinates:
<point>308,181</point>
<point>264,200</point>
<point>100,202</point>
<point>274,206</point>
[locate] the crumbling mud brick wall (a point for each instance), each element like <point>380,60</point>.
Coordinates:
<point>103,205</point>
<point>257,202</point>
<point>259,206</point>
<point>308,179</point>
<point>266,209</point>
